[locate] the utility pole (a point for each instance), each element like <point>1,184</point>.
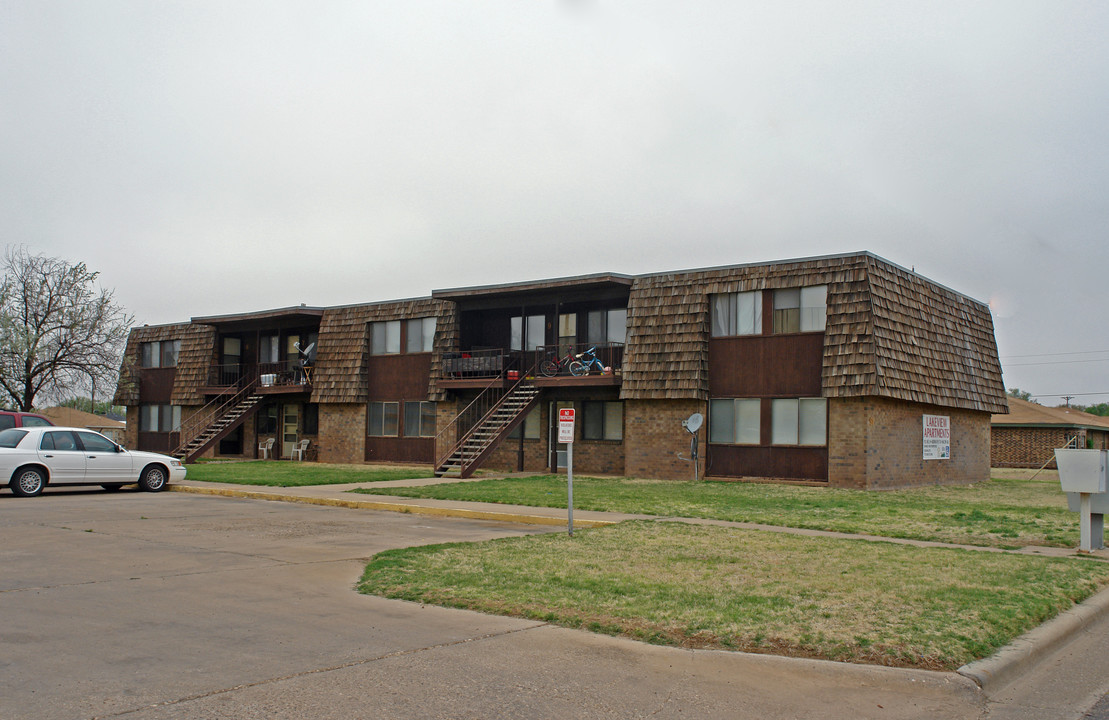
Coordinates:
<point>1068,399</point>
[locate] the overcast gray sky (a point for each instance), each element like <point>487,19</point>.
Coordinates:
<point>214,157</point>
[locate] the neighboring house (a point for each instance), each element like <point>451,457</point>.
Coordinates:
<point>71,417</point>
<point>1028,436</point>
<point>844,370</point>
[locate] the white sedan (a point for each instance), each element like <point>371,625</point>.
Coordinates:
<point>33,457</point>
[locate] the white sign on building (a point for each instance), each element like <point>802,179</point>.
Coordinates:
<point>937,437</point>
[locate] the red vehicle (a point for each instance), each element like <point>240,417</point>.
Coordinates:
<point>10,419</point>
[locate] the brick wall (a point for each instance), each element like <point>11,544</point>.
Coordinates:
<point>654,436</point>
<point>342,433</point>
<point>1031,447</point>
<point>876,443</point>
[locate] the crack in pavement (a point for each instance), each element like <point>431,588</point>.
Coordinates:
<point>317,671</point>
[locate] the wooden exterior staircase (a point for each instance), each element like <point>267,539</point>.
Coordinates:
<point>216,421</point>
<point>477,443</point>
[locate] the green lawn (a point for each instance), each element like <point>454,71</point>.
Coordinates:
<point>291,474</point>
<point>712,587</point>
<point>998,513</point>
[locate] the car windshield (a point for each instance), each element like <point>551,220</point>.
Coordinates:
<point>10,438</point>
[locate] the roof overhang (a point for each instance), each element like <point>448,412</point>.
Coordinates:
<point>539,291</point>
<point>282,317</point>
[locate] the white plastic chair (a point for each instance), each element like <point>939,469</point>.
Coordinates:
<point>300,448</point>
<point>265,448</point>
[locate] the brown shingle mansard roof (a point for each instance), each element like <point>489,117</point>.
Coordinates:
<point>340,375</point>
<point>890,332</point>
<point>193,360</point>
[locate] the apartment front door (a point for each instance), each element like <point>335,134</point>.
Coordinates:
<point>556,450</point>
<point>290,426</point>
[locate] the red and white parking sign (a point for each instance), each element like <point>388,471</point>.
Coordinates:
<point>566,425</point>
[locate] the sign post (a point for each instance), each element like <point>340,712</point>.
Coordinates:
<point>566,435</point>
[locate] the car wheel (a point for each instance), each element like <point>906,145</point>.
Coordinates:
<point>153,478</point>
<point>112,487</point>
<point>28,482</point>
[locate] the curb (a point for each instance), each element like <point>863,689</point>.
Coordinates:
<point>1021,655</point>
<point>494,515</point>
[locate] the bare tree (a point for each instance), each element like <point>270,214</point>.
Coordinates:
<point>58,328</point>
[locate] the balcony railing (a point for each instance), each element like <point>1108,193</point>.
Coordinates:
<point>479,364</point>
<point>597,359</point>
<point>278,374</point>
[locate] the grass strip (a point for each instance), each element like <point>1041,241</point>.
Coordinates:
<point>998,513</point>
<point>711,587</point>
<point>290,474</point>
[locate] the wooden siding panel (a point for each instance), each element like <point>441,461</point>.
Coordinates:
<point>791,463</point>
<point>766,366</point>
<point>398,377</point>
<point>400,449</point>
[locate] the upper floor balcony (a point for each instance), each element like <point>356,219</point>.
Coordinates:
<point>548,365</point>
<point>289,376</point>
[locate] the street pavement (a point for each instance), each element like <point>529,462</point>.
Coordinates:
<point>181,605</point>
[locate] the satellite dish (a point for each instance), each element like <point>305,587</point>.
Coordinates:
<point>693,424</point>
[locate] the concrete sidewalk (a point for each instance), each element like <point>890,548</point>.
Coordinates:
<point>1054,671</point>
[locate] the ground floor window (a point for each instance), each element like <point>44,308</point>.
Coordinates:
<point>735,421</point>
<point>529,427</point>
<point>383,419</point>
<point>419,419</point>
<point>802,421</point>
<point>159,418</point>
<point>602,421</point>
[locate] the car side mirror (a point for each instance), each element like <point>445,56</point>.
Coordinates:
<point>119,448</point>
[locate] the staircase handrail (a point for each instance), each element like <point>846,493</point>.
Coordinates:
<point>201,419</point>
<point>473,428</point>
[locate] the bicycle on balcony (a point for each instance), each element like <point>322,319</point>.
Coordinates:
<point>586,362</point>
<point>555,365</point>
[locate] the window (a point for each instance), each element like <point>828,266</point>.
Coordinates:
<point>567,332</point>
<point>170,350</point>
<point>603,421</point>
<point>421,335</point>
<point>419,419</point>
<point>269,349</point>
<point>814,308</point>
<point>801,421</point>
<point>61,440</point>
<point>735,421</point>
<point>529,427</point>
<point>267,420</point>
<point>737,314</point>
<point>385,337</point>
<point>311,419</point>
<point>151,354</point>
<point>608,326</point>
<point>383,419</point>
<point>232,350</point>
<point>32,421</point>
<point>801,309</point>
<point>159,418</point>
<point>528,333</point>
<point>92,442</point>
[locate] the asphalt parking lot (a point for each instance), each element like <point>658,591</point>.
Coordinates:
<point>141,606</point>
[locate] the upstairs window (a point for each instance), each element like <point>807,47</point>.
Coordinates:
<point>528,333</point>
<point>385,337</point>
<point>421,335</point>
<point>269,349</point>
<point>608,326</point>
<point>160,353</point>
<point>801,309</point>
<point>737,314</point>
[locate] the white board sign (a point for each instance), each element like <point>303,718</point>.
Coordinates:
<point>566,425</point>
<point>937,437</point>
